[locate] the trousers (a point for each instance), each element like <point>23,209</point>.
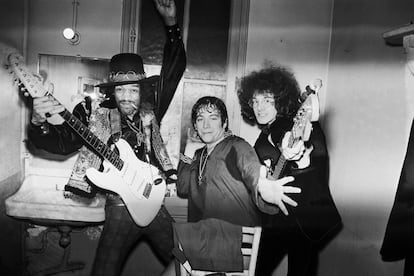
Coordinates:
<point>120,235</point>
<point>276,243</point>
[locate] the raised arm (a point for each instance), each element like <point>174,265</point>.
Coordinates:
<point>174,57</point>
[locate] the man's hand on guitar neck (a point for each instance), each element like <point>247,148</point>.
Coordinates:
<point>304,161</point>
<point>44,107</point>
<point>298,152</point>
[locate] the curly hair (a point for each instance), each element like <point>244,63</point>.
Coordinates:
<point>275,80</point>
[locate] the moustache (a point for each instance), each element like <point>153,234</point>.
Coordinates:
<point>130,103</point>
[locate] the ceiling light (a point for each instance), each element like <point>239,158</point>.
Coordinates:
<point>71,34</point>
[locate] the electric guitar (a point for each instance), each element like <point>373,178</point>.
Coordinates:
<point>302,126</point>
<point>138,183</point>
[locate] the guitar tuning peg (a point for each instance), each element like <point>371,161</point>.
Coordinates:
<point>26,94</point>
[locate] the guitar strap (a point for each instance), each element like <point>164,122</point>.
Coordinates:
<point>77,184</point>
<point>157,142</point>
<point>159,147</point>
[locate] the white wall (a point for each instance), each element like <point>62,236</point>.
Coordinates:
<point>10,116</point>
<point>290,33</point>
<point>367,125</point>
<point>11,40</point>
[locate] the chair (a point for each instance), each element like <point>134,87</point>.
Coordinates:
<point>249,249</point>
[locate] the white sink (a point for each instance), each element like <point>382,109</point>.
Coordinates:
<point>41,197</point>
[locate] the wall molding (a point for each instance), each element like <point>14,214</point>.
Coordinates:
<point>237,50</point>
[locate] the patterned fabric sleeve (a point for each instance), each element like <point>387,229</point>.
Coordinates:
<point>185,159</point>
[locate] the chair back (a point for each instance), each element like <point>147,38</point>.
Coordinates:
<point>249,249</point>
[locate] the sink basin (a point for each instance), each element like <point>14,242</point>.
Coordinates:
<point>41,198</point>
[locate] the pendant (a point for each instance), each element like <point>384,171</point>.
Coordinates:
<point>201,167</point>
<point>200,180</point>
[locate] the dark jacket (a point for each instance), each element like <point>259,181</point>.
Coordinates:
<point>316,213</point>
<point>399,235</point>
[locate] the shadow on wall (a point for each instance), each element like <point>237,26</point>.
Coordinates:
<point>340,258</point>
<point>11,237</point>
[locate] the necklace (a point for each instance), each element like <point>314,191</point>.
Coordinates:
<point>202,165</point>
<point>140,136</point>
<point>203,160</point>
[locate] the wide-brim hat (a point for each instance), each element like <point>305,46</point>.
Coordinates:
<point>127,68</point>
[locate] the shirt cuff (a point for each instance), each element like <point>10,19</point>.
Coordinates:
<point>185,159</point>
<point>42,129</point>
<point>173,33</point>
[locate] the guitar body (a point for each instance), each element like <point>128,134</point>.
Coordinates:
<point>134,184</point>
<point>138,183</point>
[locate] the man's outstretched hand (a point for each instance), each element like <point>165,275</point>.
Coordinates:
<point>274,191</point>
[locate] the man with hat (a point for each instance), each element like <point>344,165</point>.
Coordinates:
<point>134,105</point>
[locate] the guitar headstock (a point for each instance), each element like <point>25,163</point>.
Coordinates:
<point>307,113</point>
<point>32,83</point>
<point>312,89</point>
<point>317,85</point>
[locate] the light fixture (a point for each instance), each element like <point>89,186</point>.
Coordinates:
<point>71,34</point>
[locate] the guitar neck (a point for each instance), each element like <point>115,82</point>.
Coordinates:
<point>100,147</point>
<point>282,161</point>
<point>33,84</point>
<point>280,166</point>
